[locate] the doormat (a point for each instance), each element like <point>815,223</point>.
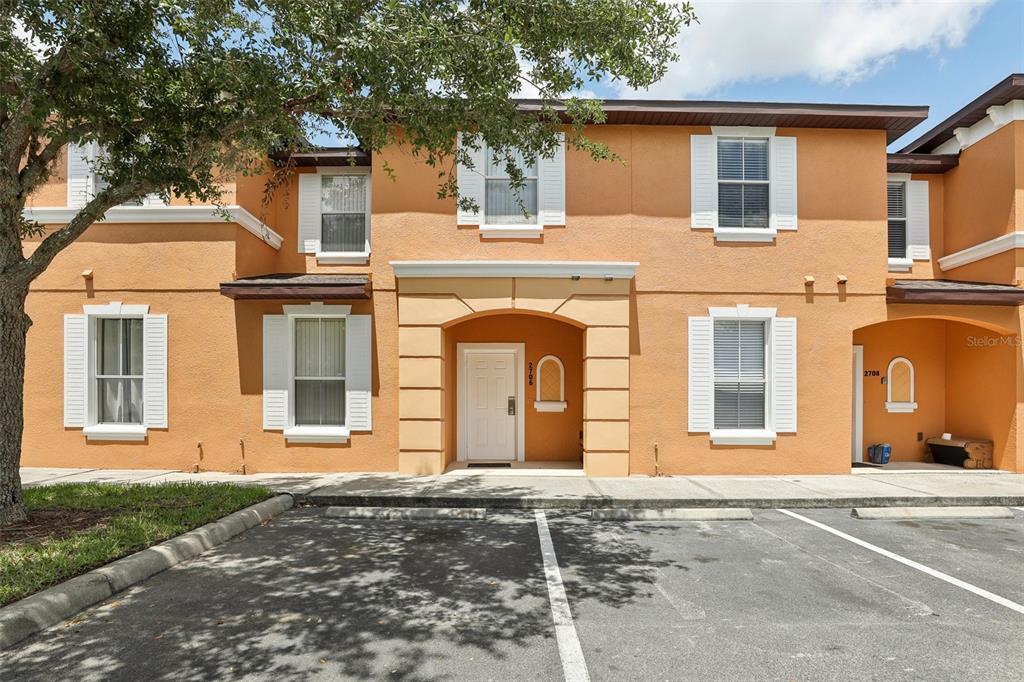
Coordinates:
<point>489,465</point>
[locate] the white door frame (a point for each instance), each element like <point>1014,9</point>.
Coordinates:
<point>462,351</point>
<point>857,437</point>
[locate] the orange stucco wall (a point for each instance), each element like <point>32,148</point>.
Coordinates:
<point>550,436</point>
<point>638,210</point>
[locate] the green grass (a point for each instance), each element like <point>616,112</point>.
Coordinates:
<point>142,515</point>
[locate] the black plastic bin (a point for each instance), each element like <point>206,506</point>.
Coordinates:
<point>953,455</point>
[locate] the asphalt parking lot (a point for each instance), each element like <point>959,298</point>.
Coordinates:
<point>774,598</point>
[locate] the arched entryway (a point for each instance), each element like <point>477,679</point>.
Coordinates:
<point>495,411</point>
<point>582,316</point>
<point>920,377</point>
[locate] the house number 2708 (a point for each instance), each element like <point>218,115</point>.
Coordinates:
<point>872,373</point>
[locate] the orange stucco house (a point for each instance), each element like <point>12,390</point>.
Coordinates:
<point>760,288</point>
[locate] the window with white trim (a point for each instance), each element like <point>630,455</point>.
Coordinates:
<point>899,379</point>
<point>739,374</point>
<point>319,371</point>
<point>118,370</point>
<point>743,185</point>
<point>505,204</point>
<point>896,198</point>
<point>344,212</point>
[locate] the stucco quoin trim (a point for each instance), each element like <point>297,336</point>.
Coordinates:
<point>516,268</point>
<point>164,214</point>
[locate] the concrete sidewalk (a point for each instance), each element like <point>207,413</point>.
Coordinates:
<point>535,490</point>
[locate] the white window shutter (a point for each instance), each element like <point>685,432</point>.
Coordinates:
<point>918,240</point>
<point>783,182</point>
<point>79,176</point>
<point>471,184</point>
<point>76,370</point>
<point>551,176</point>
<point>309,213</point>
<point>275,372</point>
<point>703,182</point>
<point>784,374</point>
<point>358,372</point>
<point>701,383</point>
<point>154,370</point>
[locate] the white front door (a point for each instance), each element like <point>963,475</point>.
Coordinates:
<point>857,437</point>
<point>491,405</point>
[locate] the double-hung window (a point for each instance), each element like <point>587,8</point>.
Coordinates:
<point>344,213</point>
<point>896,193</point>
<point>506,203</point>
<point>739,374</point>
<point>743,186</point>
<point>319,349</point>
<point>118,371</point>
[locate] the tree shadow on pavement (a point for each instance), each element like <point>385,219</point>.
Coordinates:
<point>308,595</point>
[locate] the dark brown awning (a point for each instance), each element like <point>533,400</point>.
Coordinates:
<point>299,286</point>
<point>922,163</point>
<point>327,156</point>
<point>951,291</point>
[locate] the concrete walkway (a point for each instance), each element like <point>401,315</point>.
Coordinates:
<point>534,489</point>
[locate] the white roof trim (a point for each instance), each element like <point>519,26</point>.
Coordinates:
<point>163,214</point>
<point>515,268</point>
<point>993,247</point>
<point>996,117</point>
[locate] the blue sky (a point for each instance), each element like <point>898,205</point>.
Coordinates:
<point>940,54</point>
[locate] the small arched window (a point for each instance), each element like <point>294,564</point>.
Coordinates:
<point>900,386</point>
<point>550,385</point>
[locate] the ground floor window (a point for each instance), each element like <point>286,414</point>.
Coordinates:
<point>119,371</point>
<point>319,371</point>
<point>739,374</point>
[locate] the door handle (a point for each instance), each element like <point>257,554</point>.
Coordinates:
<point>512,406</point>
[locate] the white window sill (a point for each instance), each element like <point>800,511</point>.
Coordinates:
<point>342,258</point>
<point>124,432</point>
<point>549,405</point>
<point>900,264</point>
<point>317,434</point>
<point>742,234</point>
<point>742,437</point>
<point>901,408</point>
<point>511,231</point>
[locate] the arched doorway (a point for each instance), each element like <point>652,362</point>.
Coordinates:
<point>494,365</point>
<point>921,377</point>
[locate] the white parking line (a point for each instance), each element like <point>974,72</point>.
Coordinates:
<point>1002,601</point>
<point>574,667</point>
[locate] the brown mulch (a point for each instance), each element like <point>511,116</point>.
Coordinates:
<point>45,524</point>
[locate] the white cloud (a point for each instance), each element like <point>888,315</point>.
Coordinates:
<point>828,42</point>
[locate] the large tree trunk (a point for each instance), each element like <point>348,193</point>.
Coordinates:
<point>14,324</point>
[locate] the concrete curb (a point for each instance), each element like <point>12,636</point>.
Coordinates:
<point>408,513</point>
<point>39,611</point>
<point>605,502</point>
<point>703,514</point>
<point>932,513</point>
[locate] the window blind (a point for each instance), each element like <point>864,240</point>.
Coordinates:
<point>739,374</point>
<point>319,372</point>
<point>743,189</point>
<point>343,213</point>
<point>504,204</point>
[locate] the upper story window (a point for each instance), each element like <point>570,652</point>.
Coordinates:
<point>118,370</point>
<point>743,199</point>
<point>743,183</point>
<point>344,213</point>
<point>334,215</point>
<point>501,210</point>
<point>897,213</point>
<point>503,203</point>
<point>739,374</point>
